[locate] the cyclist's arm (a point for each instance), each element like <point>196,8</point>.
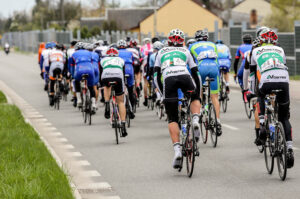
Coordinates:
<point>236,61</point>
<point>157,74</point>
<point>195,73</point>
<point>41,62</point>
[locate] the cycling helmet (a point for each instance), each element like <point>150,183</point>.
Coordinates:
<point>158,45</point>
<point>219,41</point>
<point>78,46</point>
<point>113,45</point>
<point>189,42</point>
<point>201,35</point>
<point>59,46</point>
<point>154,39</point>
<point>121,44</point>
<point>73,43</point>
<point>105,43</point>
<point>89,47</point>
<point>247,39</point>
<point>260,29</point>
<point>176,37</point>
<point>268,36</point>
<point>146,40</point>
<point>112,52</point>
<point>48,45</point>
<point>256,42</point>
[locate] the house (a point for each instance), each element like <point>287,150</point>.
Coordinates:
<point>187,15</point>
<point>251,11</point>
<point>126,18</point>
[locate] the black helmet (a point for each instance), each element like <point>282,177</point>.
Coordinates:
<point>219,41</point>
<point>73,43</point>
<point>59,46</point>
<point>201,35</point>
<point>247,39</point>
<point>154,39</point>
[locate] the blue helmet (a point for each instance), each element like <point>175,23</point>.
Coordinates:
<point>48,45</point>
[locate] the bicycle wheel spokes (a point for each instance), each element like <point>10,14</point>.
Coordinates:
<point>247,109</point>
<point>281,151</point>
<point>212,120</point>
<point>203,129</point>
<point>190,151</point>
<point>115,123</point>
<point>268,153</point>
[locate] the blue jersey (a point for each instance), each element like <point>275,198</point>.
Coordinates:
<point>223,51</point>
<point>126,55</point>
<point>95,59</point>
<point>243,51</point>
<point>80,58</point>
<point>152,59</point>
<point>204,52</point>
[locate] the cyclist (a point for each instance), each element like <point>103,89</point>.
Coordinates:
<point>242,51</point>
<point>127,56</point>
<point>41,48</point>
<point>224,58</point>
<point>82,60</point>
<point>170,65</point>
<point>136,63</point>
<point>44,63</point>
<point>113,70</point>
<point>156,47</point>
<point>57,61</point>
<point>270,63</point>
<point>206,56</point>
<point>70,52</point>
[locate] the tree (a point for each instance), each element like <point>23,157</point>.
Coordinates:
<point>109,26</point>
<point>95,31</point>
<point>284,13</point>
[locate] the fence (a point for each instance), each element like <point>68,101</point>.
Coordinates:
<point>231,36</point>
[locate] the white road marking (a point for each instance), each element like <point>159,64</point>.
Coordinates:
<point>62,139</point>
<point>91,173</point>
<point>52,128</point>
<point>94,186</point>
<point>75,154</point>
<point>230,127</point>
<point>47,124</point>
<point>83,163</point>
<point>41,119</point>
<point>67,146</point>
<point>295,148</point>
<point>55,134</point>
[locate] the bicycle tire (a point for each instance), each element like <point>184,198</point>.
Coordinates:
<point>127,115</point>
<point>260,148</point>
<point>224,103</point>
<point>281,155</point>
<point>247,109</point>
<point>203,130</point>
<point>115,122</point>
<point>212,124</point>
<point>152,104</point>
<point>190,144</point>
<point>268,154</point>
<point>89,111</point>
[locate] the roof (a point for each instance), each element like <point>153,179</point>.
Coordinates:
<point>128,18</point>
<point>246,6</point>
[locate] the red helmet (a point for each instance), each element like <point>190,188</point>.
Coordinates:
<point>268,36</point>
<point>112,52</point>
<point>176,37</point>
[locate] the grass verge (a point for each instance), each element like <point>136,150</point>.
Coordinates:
<point>2,98</point>
<point>27,169</point>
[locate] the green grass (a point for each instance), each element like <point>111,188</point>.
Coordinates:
<point>2,98</point>
<point>27,169</point>
<point>295,77</point>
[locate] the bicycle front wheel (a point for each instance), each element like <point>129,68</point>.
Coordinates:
<point>190,151</point>
<point>281,155</point>
<point>212,122</point>
<point>224,102</point>
<point>268,153</point>
<point>115,123</point>
<point>247,109</point>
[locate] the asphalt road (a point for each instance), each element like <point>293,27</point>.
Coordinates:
<point>141,165</point>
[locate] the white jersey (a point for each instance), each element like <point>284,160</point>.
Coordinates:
<point>135,52</point>
<point>102,50</point>
<point>57,58</point>
<point>271,64</point>
<point>173,61</point>
<point>70,52</point>
<point>45,55</point>
<point>112,67</point>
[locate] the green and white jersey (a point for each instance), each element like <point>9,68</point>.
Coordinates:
<point>271,64</point>
<point>173,61</point>
<point>112,67</point>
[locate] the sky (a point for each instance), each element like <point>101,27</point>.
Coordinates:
<point>8,6</point>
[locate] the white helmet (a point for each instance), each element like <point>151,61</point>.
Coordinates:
<point>176,37</point>
<point>158,45</point>
<point>121,43</point>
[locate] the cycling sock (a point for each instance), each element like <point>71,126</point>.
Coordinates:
<point>218,120</point>
<point>289,144</point>
<point>227,83</point>
<point>257,132</point>
<point>195,118</point>
<point>176,146</point>
<point>78,97</point>
<point>93,102</point>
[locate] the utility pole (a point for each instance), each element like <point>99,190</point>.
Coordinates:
<point>62,12</point>
<point>155,17</point>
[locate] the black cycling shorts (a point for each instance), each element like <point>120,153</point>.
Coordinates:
<point>137,68</point>
<point>119,87</point>
<point>173,83</point>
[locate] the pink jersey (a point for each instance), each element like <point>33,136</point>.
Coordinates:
<point>145,49</point>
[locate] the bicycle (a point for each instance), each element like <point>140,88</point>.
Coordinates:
<point>128,105</point>
<point>275,145</point>
<point>86,109</point>
<point>115,116</point>
<point>151,98</point>
<point>57,94</point>
<point>188,142</point>
<point>66,89</point>
<point>223,99</point>
<point>208,118</point>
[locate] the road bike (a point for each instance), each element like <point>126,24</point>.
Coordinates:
<point>128,105</point>
<point>65,84</point>
<point>223,95</point>
<point>275,145</point>
<point>208,118</point>
<point>151,97</point>
<point>188,143</point>
<point>115,116</point>
<point>57,93</point>
<point>86,109</point>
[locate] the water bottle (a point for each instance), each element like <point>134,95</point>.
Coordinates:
<point>183,129</point>
<point>206,108</point>
<point>272,131</point>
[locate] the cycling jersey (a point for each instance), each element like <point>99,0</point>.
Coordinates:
<point>224,57</point>
<point>70,52</point>
<point>127,56</point>
<point>100,50</point>
<point>57,60</point>
<point>242,51</point>
<point>136,59</point>
<point>95,62</point>
<point>271,64</point>
<point>44,62</point>
<point>206,56</point>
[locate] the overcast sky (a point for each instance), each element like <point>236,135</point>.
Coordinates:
<point>8,6</point>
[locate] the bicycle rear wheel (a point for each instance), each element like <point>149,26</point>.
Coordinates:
<point>269,155</point>
<point>203,130</point>
<point>212,125</point>
<point>247,109</point>
<point>224,102</point>
<point>127,115</point>
<point>89,110</point>
<point>281,155</point>
<point>115,122</point>
<point>190,151</point>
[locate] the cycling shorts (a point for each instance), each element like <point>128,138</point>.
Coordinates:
<point>85,70</point>
<point>96,71</point>
<point>173,83</point>
<point>210,69</point>
<point>119,87</point>
<point>129,71</point>
<point>53,68</point>
<point>225,64</point>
